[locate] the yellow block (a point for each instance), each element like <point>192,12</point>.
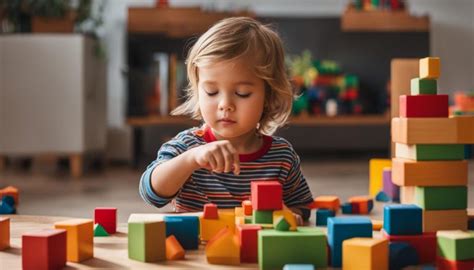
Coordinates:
<point>376,167</point>
<point>223,248</point>
<point>377,224</point>
<point>288,215</point>
<point>407,194</point>
<point>437,220</point>
<point>429,68</point>
<point>210,227</point>
<point>407,172</point>
<point>365,253</point>
<point>239,212</point>
<point>80,235</point>
<point>4,233</point>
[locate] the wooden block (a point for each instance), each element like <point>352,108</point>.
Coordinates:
<point>322,216</point>
<point>343,228</point>
<point>365,253</point>
<point>247,206</point>
<point>402,255</point>
<point>456,245</point>
<point>444,264</point>
<point>107,217</point>
<point>430,152</point>
<point>470,217</point>
<point>429,68</point>
<point>437,220</point>
<point>407,195</point>
<point>377,225</point>
<point>4,233</point>
<point>376,167</point>
<point>361,204</point>
<point>424,106</point>
<point>80,237</point>
<point>266,195</point>
<point>210,227</point>
<point>45,249</point>
<point>174,250</point>
<point>185,229</point>
<point>99,231</point>
<point>248,239</point>
<point>423,86</point>
<point>223,248</point>
<point>346,208</point>
<point>290,218</point>
<point>10,191</point>
<point>424,244</point>
<point>298,267</point>
<point>239,212</point>
<point>146,238</point>
<point>402,219</point>
<point>441,198</point>
<point>326,202</point>
<point>278,248</point>
<point>465,125</point>
<point>429,173</point>
<point>210,211</point>
<point>280,224</point>
<point>392,190</point>
<point>262,217</point>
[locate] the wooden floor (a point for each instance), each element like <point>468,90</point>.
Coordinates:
<point>55,193</point>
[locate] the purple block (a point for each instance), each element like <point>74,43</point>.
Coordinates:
<point>392,190</point>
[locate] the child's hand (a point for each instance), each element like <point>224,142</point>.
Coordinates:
<point>219,156</point>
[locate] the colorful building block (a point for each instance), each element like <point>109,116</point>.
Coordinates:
<point>382,197</point>
<point>298,267</point>
<point>346,208</point>
<point>278,248</point>
<point>99,231</point>
<point>322,216</point>
<point>210,211</point>
<point>430,152</point>
<point>424,106</point>
<point>365,253</point>
<point>423,86</point>
<point>266,195</point>
<point>342,228</point>
<point>430,68</point>
<point>429,173</point>
<point>465,126</point>
<point>10,191</point>
<point>80,238</point>
<point>326,202</point>
<point>289,217</point>
<point>210,227</point>
<point>470,217</point>
<point>239,212</point>
<point>444,264</point>
<point>392,190</point>
<point>262,217</point>
<point>437,220</point>
<point>376,167</point>
<point>402,219</point>
<point>361,204</point>
<point>248,240</point>
<point>4,233</point>
<point>107,217</point>
<point>441,198</point>
<point>223,248</point>
<point>456,245</point>
<point>377,225</point>
<point>402,255</point>
<point>146,238</point>
<point>407,195</point>
<point>424,244</point>
<point>8,200</point>
<point>185,229</point>
<point>280,224</point>
<point>6,209</point>
<point>247,206</point>
<point>174,250</point>
<point>45,249</point>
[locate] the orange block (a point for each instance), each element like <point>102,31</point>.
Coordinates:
<point>223,248</point>
<point>174,250</point>
<point>361,204</point>
<point>210,227</point>
<point>4,233</point>
<point>80,237</point>
<point>429,173</point>
<point>465,125</point>
<point>377,224</point>
<point>327,202</point>
<point>437,220</point>
<point>247,206</point>
<point>430,68</point>
<point>10,191</point>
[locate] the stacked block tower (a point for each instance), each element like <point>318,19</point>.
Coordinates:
<point>428,163</point>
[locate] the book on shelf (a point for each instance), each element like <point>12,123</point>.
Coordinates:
<point>161,63</point>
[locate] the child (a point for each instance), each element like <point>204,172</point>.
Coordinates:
<point>239,88</point>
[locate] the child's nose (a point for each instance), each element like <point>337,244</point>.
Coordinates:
<point>226,104</point>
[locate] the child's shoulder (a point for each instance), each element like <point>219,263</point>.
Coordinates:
<point>191,135</point>
<point>282,144</point>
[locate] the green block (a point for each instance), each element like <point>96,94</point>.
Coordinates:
<point>146,240</point>
<point>307,245</point>
<point>99,230</point>
<point>262,217</point>
<point>456,245</point>
<point>430,152</point>
<point>248,220</point>
<point>441,198</point>
<point>281,224</point>
<point>424,86</point>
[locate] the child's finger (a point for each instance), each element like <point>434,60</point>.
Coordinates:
<point>229,159</point>
<point>235,159</point>
<point>212,162</point>
<point>219,161</point>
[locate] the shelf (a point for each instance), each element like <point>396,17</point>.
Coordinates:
<point>382,21</point>
<point>141,121</point>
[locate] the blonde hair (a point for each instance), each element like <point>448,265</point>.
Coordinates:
<point>236,37</point>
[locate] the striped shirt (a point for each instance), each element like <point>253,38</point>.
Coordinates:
<point>275,160</point>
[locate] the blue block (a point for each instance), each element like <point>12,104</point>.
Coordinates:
<point>322,216</point>
<point>342,228</point>
<point>9,200</point>
<point>6,209</point>
<point>401,255</point>
<point>185,229</point>
<point>346,208</point>
<point>382,197</point>
<point>402,219</point>
<point>298,267</point>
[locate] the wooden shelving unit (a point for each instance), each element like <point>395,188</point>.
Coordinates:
<point>382,21</point>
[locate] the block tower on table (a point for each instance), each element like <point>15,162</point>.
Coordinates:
<point>428,164</point>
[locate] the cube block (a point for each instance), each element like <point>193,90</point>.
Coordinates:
<point>248,239</point>
<point>424,244</point>
<point>361,204</point>
<point>456,245</point>
<point>402,219</point>
<point>107,217</point>
<point>247,206</point>
<point>365,253</point>
<point>441,198</point>
<point>430,152</point>
<point>185,229</point>
<point>326,202</point>
<point>4,233</point>
<point>210,227</point>
<point>223,248</point>
<point>45,249</point>
<point>210,211</point>
<point>407,195</point>
<point>146,238</point>
<point>262,217</point>
<point>430,68</point>
<point>80,237</point>
<point>322,216</point>
<point>424,106</point>
<point>376,167</point>
<point>423,86</point>
<point>266,195</point>
<point>437,220</point>
<point>444,264</point>
<point>401,255</point>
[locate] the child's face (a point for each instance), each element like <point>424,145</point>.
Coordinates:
<point>231,97</point>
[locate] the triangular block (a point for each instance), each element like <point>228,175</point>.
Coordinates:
<point>174,250</point>
<point>99,230</point>
<point>281,224</point>
<point>382,197</point>
<point>223,248</point>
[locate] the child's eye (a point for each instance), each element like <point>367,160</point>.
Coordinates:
<point>210,93</point>
<point>243,95</point>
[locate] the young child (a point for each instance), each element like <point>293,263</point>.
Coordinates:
<point>239,88</point>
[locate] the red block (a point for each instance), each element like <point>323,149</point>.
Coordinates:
<point>425,244</point>
<point>266,195</point>
<point>443,264</point>
<point>361,204</point>
<point>247,206</point>
<point>44,249</point>
<point>424,106</point>
<point>210,211</point>
<point>107,217</point>
<point>248,238</point>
